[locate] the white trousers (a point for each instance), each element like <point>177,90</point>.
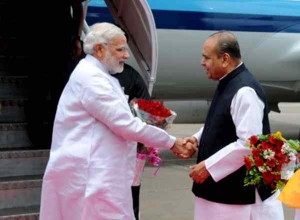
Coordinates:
<point>270,209</point>
<point>297,214</point>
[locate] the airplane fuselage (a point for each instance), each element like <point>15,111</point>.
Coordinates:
<point>268,33</point>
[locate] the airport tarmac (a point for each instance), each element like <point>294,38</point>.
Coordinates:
<point>168,196</point>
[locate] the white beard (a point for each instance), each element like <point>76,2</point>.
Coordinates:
<point>112,64</point>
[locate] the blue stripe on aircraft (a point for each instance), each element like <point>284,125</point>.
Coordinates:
<point>259,7</point>
<point>189,20</point>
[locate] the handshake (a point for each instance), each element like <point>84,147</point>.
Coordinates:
<point>185,148</point>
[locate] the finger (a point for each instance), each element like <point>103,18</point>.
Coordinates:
<point>192,173</point>
<point>184,156</point>
<point>195,147</point>
<point>192,167</point>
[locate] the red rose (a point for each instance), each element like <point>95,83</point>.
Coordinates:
<point>259,161</point>
<point>280,157</point>
<point>248,163</point>
<point>271,163</point>
<point>277,177</point>
<point>268,177</point>
<point>154,107</point>
<point>272,139</point>
<point>266,145</point>
<point>279,144</point>
<point>253,140</point>
<point>277,168</point>
<point>256,152</point>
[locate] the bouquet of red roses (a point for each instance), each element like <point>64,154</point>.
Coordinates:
<point>273,160</point>
<point>152,112</point>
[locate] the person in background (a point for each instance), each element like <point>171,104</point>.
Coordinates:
<point>92,157</point>
<point>238,110</point>
<point>134,87</point>
<point>59,39</point>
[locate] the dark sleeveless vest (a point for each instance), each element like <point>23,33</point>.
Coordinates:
<point>219,131</point>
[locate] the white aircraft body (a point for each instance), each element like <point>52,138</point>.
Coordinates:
<point>166,39</point>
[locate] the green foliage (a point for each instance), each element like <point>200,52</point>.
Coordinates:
<point>295,144</point>
<point>253,177</point>
<point>263,137</point>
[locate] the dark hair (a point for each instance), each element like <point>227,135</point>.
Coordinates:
<point>227,43</point>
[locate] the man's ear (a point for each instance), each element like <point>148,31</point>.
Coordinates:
<point>225,59</point>
<point>99,50</point>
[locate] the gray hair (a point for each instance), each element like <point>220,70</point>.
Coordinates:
<point>100,33</point>
<point>227,43</point>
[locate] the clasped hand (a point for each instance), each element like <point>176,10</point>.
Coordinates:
<point>185,148</point>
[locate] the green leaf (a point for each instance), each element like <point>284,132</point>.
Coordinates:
<point>295,144</point>
<point>263,137</point>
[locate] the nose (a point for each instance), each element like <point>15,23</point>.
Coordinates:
<point>202,62</point>
<point>126,55</point>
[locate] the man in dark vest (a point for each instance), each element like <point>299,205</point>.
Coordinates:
<point>238,110</point>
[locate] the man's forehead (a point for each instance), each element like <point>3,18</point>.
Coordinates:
<point>210,45</point>
<point>119,40</point>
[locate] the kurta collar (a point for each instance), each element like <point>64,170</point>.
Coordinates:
<point>93,60</point>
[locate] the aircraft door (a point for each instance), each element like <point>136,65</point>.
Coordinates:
<point>136,18</point>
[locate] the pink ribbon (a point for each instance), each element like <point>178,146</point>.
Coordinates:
<point>154,159</point>
<point>141,156</point>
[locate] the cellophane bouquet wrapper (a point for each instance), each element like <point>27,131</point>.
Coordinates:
<point>158,121</point>
<point>156,114</point>
<point>140,164</point>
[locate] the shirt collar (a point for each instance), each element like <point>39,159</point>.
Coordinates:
<point>97,63</point>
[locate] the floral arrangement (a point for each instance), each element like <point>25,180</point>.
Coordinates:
<point>273,160</point>
<point>152,112</point>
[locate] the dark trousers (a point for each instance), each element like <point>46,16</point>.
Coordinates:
<point>136,200</point>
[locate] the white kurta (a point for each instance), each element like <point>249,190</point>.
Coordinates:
<point>247,115</point>
<point>93,153</point>
<point>297,214</point>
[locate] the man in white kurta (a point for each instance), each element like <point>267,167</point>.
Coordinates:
<point>93,153</point>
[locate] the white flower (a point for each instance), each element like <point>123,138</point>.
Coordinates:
<point>268,154</point>
<point>292,156</point>
<point>285,148</point>
<point>262,169</point>
<point>287,170</point>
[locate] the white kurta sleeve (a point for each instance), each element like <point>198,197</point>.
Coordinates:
<point>101,99</point>
<point>247,114</point>
<point>198,134</point>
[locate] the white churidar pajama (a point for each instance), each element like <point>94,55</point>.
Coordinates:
<point>297,214</point>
